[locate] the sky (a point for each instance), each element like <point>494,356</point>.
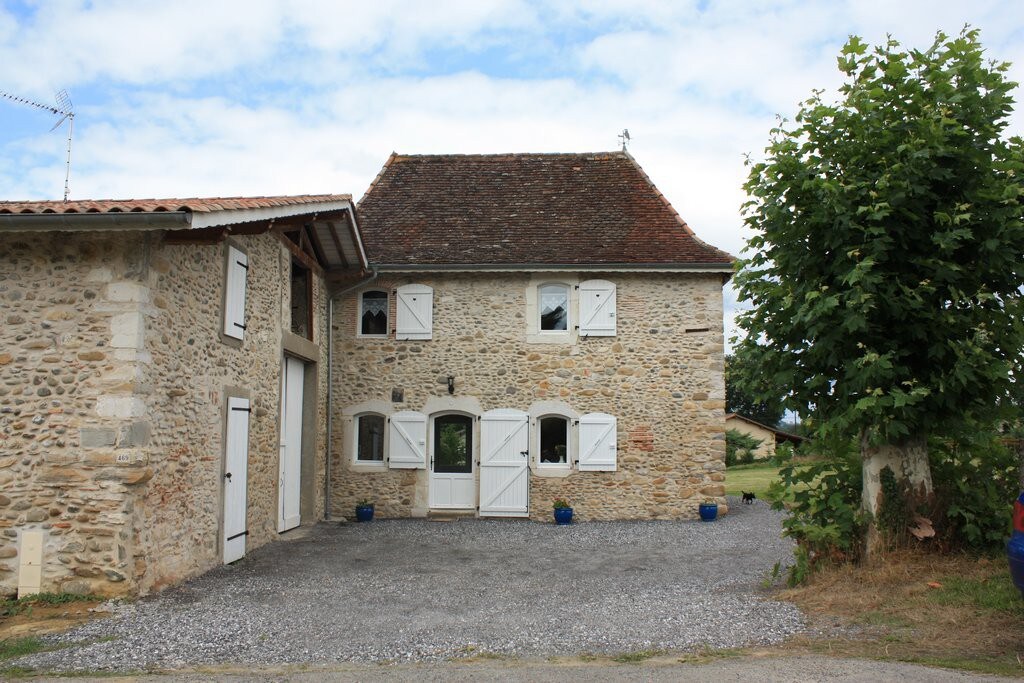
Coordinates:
<point>269,97</point>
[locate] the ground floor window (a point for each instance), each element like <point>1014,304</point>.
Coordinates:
<point>554,440</point>
<point>370,438</point>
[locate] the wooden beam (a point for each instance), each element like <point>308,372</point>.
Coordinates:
<point>254,228</point>
<point>301,256</point>
<point>337,243</point>
<point>314,241</point>
<point>195,236</point>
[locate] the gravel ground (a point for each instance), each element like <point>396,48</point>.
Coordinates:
<point>416,590</point>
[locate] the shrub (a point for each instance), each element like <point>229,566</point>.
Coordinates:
<point>739,447</point>
<point>974,476</point>
<point>823,496</point>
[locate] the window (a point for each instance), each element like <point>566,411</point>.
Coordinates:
<point>597,308</point>
<point>302,293</point>
<point>414,316</point>
<point>554,441</point>
<point>553,307</point>
<point>373,314</point>
<point>597,438</point>
<point>370,439</point>
<point>234,293</point>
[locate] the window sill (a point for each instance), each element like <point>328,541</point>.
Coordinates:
<point>552,471</point>
<point>551,338</point>
<point>367,466</point>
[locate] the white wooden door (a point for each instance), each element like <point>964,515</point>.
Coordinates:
<point>504,463</point>
<point>452,483</point>
<point>236,462</point>
<point>290,462</point>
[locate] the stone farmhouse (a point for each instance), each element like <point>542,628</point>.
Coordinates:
<point>183,380</point>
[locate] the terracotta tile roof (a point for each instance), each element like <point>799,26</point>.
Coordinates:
<point>545,209</point>
<point>194,204</point>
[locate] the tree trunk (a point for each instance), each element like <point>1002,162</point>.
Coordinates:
<point>908,461</point>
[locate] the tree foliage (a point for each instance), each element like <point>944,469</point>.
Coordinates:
<point>886,271</point>
<point>742,389</point>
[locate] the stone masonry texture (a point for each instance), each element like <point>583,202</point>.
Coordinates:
<point>113,377</point>
<point>661,376</point>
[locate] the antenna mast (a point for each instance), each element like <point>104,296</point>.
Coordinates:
<point>65,111</point>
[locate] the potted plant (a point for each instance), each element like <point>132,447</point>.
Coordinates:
<point>364,511</point>
<point>708,510</point>
<point>563,511</point>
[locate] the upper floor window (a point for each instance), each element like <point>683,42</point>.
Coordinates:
<point>234,293</point>
<point>302,295</point>
<point>553,307</point>
<point>373,313</point>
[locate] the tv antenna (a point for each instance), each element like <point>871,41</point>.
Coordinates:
<point>65,112</point>
<point>624,138</point>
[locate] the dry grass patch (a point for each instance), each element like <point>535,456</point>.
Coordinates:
<point>954,611</point>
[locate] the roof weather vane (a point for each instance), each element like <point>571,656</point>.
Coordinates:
<point>624,138</point>
<point>65,112</point>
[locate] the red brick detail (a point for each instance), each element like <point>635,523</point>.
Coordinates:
<point>642,438</point>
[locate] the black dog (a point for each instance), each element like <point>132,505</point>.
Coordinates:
<point>748,498</point>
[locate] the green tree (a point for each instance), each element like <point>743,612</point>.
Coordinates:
<point>742,383</point>
<point>886,270</point>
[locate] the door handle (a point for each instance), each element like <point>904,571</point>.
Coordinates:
<point>524,453</point>
<point>227,475</point>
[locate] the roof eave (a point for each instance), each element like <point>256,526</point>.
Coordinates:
<point>726,268</point>
<point>128,220</point>
<point>213,219</point>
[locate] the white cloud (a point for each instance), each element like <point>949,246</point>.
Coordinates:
<point>312,97</point>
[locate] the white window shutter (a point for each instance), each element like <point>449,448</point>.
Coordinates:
<point>597,308</point>
<point>414,312</point>
<point>597,437</point>
<point>234,300</point>
<point>407,441</point>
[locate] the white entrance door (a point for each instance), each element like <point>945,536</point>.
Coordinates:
<point>291,445</point>
<point>236,461</point>
<point>451,463</point>
<point>504,463</point>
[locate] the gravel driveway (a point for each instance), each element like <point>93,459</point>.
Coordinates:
<point>416,590</point>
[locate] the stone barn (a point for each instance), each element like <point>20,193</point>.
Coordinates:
<point>163,383</point>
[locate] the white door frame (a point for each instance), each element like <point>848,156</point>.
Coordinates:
<point>289,491</point>
<point>452,490</point>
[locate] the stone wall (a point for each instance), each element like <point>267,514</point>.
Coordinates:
<point>193,369</point>
<point>661,376</point>
<point>72,438</point>
<point>113,381</point>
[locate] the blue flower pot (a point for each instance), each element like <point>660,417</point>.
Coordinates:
<point>563,515</point>
<point>708,512</point>
<point>364,513</point>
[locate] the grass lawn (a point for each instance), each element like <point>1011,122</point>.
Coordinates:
<point>754,477</point>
